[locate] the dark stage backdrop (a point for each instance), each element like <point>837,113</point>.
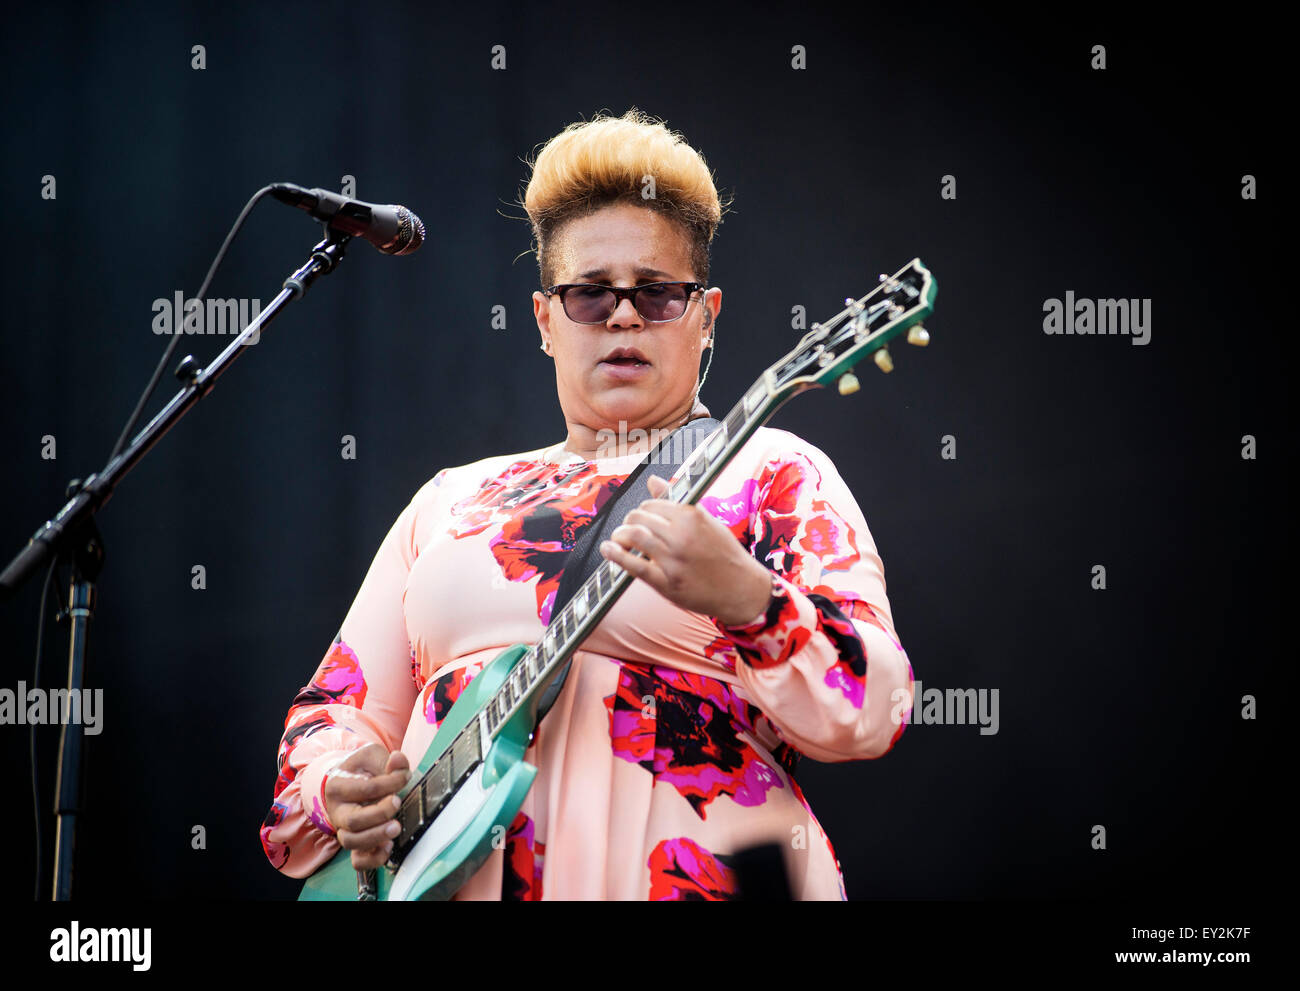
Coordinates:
<point>998,469</point>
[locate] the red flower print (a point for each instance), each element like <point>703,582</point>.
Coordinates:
<point>682,870</point>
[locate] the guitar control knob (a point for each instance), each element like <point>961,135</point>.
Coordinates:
<point>848,384</point>
<point>918,335</point>
<point>884,361</point>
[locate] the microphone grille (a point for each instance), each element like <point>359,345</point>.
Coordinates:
<point>410,233</point>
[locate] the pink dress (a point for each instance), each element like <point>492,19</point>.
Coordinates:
<point>674,741</point>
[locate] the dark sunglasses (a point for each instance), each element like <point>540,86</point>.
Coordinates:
<point>657,302</point>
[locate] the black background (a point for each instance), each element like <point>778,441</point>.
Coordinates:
<point>1118,707</point>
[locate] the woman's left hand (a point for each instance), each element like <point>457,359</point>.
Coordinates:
<point>691,559</point>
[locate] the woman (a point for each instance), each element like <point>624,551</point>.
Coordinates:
<point>757,628</point>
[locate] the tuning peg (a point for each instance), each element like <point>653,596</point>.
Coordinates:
<point>918,335</point>
<point>848,384</point>
<point>883,360</point>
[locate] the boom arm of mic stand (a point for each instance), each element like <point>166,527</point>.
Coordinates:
<point>96,490</point>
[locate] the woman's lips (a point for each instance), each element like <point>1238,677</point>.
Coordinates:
<point>625,369</point>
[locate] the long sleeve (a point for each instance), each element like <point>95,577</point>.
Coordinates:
<point>361,693</point>
<point>824,662</point>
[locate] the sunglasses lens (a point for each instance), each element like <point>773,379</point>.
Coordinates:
<point>661,302</point>
<point>588,304</point>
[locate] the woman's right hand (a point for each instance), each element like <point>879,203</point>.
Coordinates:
<point>361,802</point>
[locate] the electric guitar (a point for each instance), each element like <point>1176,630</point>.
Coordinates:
<point>473,779</point>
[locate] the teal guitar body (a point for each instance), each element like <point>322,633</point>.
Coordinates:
<point>505,780</point>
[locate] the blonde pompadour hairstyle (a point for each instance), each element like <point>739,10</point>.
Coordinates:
<point>634,159</point>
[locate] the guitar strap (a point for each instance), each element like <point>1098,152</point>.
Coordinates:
<point>635,489</point>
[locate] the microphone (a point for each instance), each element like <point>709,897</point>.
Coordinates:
<point>392,229</point>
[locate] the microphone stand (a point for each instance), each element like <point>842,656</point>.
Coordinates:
<point>72,534</point>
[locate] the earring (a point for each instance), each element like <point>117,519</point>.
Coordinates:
<point>543,347</point>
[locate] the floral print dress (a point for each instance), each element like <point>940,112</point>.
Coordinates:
<point>675,740</point>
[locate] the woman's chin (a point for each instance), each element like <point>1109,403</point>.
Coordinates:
<point>626,399</point>
<point>630,407</point>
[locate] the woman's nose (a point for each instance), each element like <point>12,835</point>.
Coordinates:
<point>624,314</point>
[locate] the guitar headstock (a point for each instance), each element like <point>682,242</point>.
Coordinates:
<point>864,327</point>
